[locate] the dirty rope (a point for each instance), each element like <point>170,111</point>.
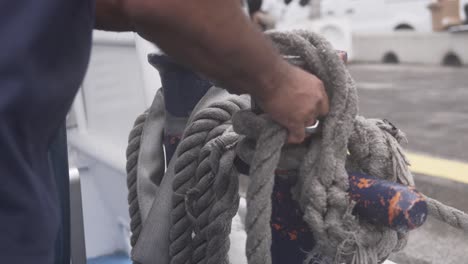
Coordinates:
<point>206,184</point>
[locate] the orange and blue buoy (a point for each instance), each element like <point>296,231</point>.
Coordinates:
<point>377,201</point>
<point>381,202</point>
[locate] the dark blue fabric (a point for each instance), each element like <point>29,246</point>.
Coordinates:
<point>44,51</point>
<point>182,87</point>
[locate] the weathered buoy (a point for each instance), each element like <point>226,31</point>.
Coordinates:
<point>381,202</point>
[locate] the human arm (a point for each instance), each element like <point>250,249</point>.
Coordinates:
<point>215,38</point>
<point>111,15</point>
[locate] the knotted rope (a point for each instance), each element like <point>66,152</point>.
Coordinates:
<point>192,160</point>
<point>206,186</point>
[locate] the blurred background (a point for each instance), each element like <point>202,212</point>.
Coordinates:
<point>408,57</point>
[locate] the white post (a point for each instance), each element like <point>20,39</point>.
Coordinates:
<point>80,112</point>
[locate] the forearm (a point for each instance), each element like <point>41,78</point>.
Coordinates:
<point>111,16</point>
<point>212,36</point>
<point>215,38</point>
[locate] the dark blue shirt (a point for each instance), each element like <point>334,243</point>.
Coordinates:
<point>44,51</point>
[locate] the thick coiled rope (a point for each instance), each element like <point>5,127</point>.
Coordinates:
<point>132,153</point>
<point>205,185</point>
<point>209,124</point>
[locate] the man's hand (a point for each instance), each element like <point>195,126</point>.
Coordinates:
<point>298,99</point>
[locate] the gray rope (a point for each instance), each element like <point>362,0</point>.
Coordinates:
<point>132,153</point>
<point>447,214</point>
<point>322,183</point>
<point>264,163</point>
<point>226,190</point>
<point>375,146</point>
<point>323,180</point>
<point>197,134</point>
<point>202,197</point>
